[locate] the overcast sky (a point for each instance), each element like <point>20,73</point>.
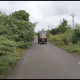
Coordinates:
<point>45,12</point>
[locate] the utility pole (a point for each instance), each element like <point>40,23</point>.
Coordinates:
<point>73,19</point>
<point>48,27</point>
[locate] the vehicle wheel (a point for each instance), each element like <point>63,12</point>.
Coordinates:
<point>42,42</point>
<point>38,41</point>
<point>46,42</point>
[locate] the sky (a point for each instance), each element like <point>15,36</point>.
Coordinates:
<point>46,13</point>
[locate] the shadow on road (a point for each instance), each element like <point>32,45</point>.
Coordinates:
<point>41,43</point>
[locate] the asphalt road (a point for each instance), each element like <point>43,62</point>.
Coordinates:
<point>45,61</point>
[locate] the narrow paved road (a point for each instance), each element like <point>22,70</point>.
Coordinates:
<point>45,62</point>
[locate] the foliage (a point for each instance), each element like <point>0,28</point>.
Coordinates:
<point>61,28</point>
<point>15,34</point>
<point>64,40</point>
<point>76,35</point>
<point>21,15</point>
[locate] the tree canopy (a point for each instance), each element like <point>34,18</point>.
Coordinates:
<point>21,15</point>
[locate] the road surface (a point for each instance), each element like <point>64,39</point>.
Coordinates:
<point>45,61</point>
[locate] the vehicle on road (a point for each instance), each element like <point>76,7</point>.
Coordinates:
<point>42,37</point>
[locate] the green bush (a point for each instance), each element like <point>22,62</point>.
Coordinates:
<point>72,48</point>
<point>65,39</point>
<point>16,32</point>
<point>76,35</point>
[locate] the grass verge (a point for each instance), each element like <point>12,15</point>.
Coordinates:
<point>64,41</point>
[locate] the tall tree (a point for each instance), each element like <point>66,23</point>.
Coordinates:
<point>21,15</point>
<point>63,26</point>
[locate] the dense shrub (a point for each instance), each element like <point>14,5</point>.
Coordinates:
<point>76,35</point>
<point>16,32</point>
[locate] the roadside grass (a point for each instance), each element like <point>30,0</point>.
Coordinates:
<point>63,40</point>
<point>6,61</point>
<point>9,55</point>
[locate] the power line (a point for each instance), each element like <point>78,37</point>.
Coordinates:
<point>73,18</point>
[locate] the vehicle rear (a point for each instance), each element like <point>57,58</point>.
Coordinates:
<point>42,37</point>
